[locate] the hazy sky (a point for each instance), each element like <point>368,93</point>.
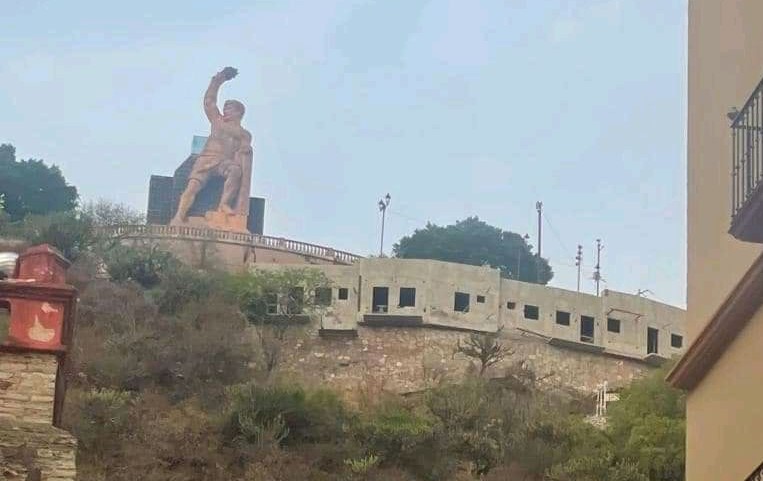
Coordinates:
<point>455,108</point>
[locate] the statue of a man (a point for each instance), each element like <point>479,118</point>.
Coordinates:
<point>227,153</point>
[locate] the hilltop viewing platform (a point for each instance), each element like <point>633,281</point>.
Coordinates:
<point>235,249</point>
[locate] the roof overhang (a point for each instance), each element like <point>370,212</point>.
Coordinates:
<point>727,322</point>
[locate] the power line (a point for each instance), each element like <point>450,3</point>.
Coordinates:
<point>555,232</point>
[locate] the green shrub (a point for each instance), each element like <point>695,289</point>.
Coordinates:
<point>553,439</point>
<point>124,343</point>
<point>284,414</point>
<point>144,264</point>
<point>181,285</point>
<point>482,420</point>
<point>257,410</point>
<point>360,467</point>
<point>327,417</point>
<point>103,419</point>
<point>392,431</point>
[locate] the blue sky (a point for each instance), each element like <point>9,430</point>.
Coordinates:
<point>455,108</point>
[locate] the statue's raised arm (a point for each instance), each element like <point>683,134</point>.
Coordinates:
<point>210,96</point>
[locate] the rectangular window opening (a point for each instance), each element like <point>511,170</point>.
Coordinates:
<point>587,329</point>
<point>271,303</point>
<point>461,302</point>
<point>380,299</point>
<point>613,325</point>
<point>481,299</point>
<point>532,312</point>
<point>511,305</point>
<point>563,318</point>
<point>407,297</point>
<point>676,341</point>
<point>344,293</point>
<point>296,302</point>
<point>5,320</point>
<point>652,340</point>
<point>323,296</point>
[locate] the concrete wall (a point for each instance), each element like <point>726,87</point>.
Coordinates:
<point>636,315</point>
<point>494,303</point>
<point>725,65</point>
<point>548,300</point>
<point>436,284</point>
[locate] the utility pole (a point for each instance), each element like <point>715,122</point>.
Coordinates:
<point>519,256</point>
<point>597,271</point>
<point>539,208</point>
<point>383,204</point>
<point>579,262</point>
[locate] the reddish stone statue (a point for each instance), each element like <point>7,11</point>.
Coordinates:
<point>227,154</point>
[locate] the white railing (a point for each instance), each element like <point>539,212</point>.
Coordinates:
<point>198,233</point>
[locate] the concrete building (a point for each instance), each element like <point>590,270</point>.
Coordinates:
<point>427,293</point>
<point>722,368</point>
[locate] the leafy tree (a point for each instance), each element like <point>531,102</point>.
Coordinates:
<point>104,213</point>
<point>274,301</point>
<point>648,425</point>
<point>644,438</point>
<point>32,187</point>
<point>472,241</point>
<point>69,232</point>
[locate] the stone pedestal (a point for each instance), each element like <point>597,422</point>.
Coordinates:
<point>218,220</point>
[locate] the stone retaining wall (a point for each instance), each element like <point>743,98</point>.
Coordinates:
<point>25,447</point>
<point>27,385</point>
<point>405,360</point>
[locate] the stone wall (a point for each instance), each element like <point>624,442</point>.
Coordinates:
<point>229,256</point>
<point>27,385</point>
<point>407,360</point>
<point>28,447</point>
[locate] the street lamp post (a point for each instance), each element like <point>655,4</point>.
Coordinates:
<point>383,204</point>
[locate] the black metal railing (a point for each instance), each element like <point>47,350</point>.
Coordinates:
<point>747,151</point>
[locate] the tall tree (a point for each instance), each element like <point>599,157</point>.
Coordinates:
<point>32,187</point>
<point>472,241</point>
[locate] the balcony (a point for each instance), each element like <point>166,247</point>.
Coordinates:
<point>747,169</point>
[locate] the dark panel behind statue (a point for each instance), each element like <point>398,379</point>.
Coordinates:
<point>256,219</point>
<point>161,202</point>
<point>164,193</point>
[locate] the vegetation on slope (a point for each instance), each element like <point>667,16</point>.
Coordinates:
<point>166,383</point>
